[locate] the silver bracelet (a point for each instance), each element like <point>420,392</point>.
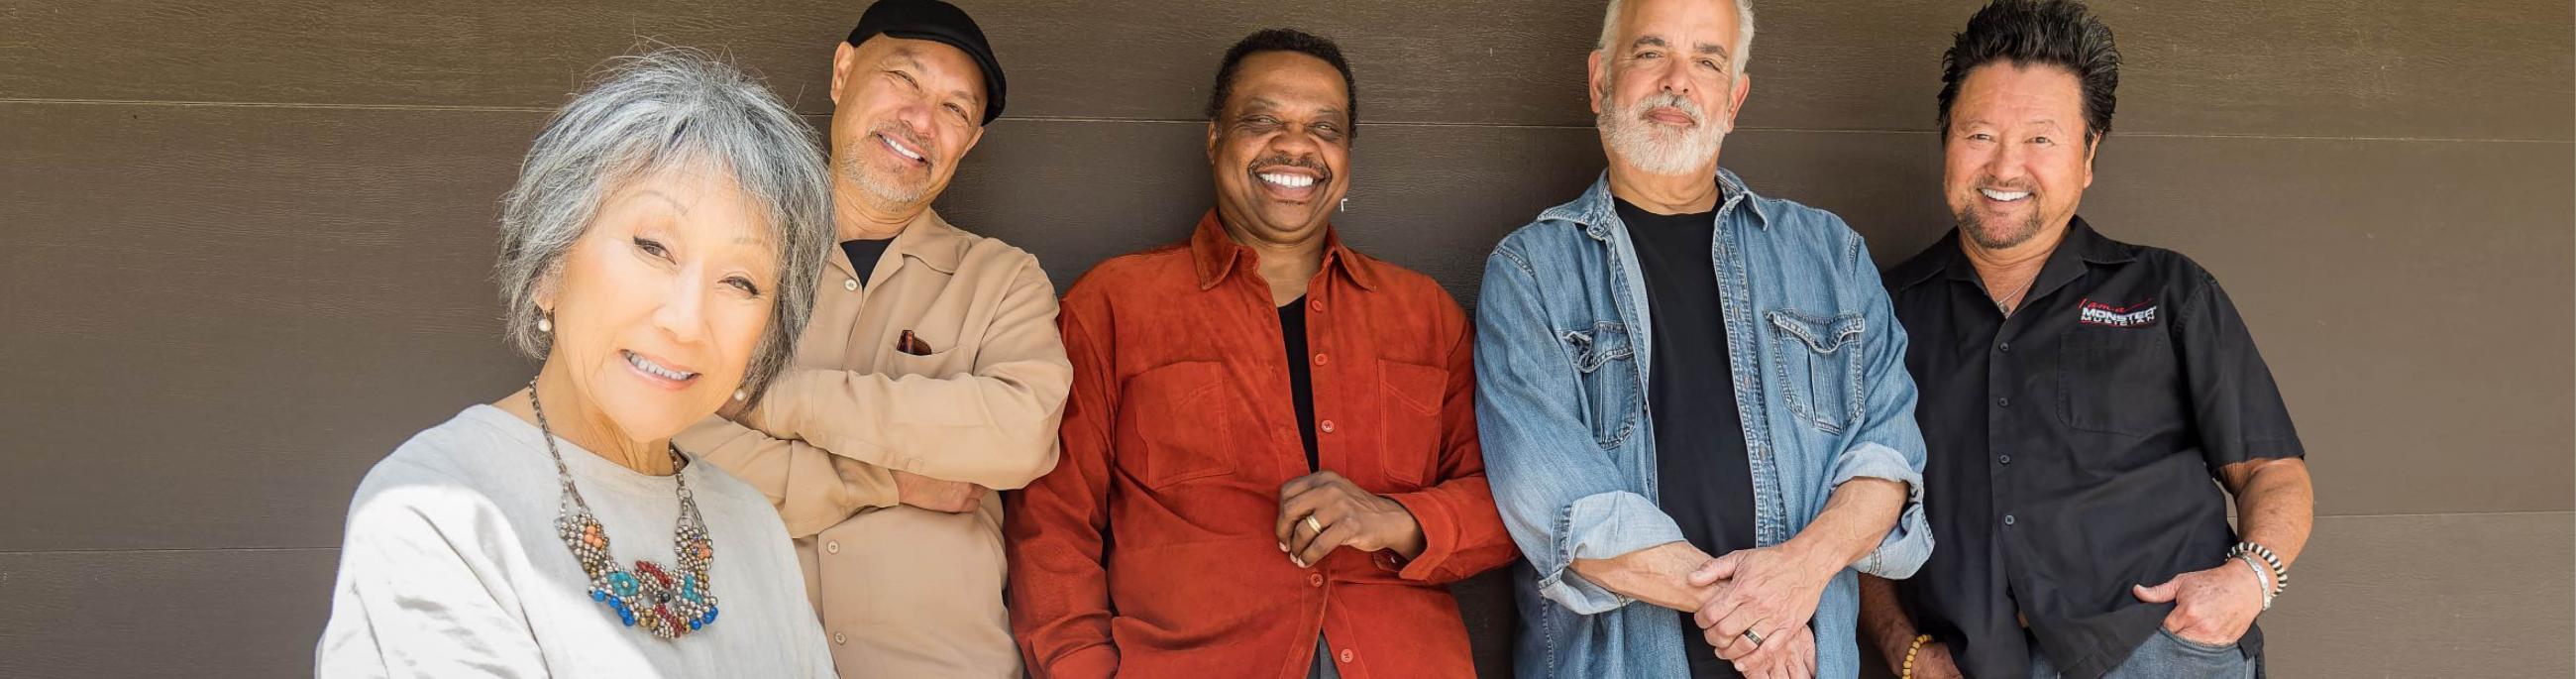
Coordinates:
<point>2260,574</point>
<point>2280,573</point>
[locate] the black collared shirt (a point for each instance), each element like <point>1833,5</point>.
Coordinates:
<point>2073,447</point>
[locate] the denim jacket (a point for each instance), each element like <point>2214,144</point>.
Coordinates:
<point>1562,348</point>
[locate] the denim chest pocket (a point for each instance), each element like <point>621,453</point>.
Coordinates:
<point>1606,365</point>
<point>1816,361</point>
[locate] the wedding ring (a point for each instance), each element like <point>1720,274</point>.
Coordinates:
<point>1752,636</point>
<point>1313,525</point>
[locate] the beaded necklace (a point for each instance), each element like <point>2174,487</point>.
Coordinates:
<point>668,605</point>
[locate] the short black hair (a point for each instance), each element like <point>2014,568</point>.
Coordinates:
<point>2060,33</point>
<point>1285,40</point>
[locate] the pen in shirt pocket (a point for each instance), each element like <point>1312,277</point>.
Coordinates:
<point>911,344</point>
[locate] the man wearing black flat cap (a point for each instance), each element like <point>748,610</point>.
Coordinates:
<point>930,377</point>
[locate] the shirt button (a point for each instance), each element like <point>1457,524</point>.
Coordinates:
<point>1315,305</point>
<point>839,639</point>
<point>1346,655</point>
<point>2006,459</point>
<point>850,284</point>
<point>2008,519</point>
<point>1315,579</point>
<point>833,547</point>
<point>2005,347</point>
<point>1327,426</point>
<point>1321,359</point>
<point>2003,401</point>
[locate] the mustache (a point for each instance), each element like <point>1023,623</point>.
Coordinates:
<point>2000,185</point>
<point>904,132</point>
<point>1285,160</point>
<point>1676,101</point>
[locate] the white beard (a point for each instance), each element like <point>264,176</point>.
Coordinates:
<point>891,191</point>
<point>1657,149</point>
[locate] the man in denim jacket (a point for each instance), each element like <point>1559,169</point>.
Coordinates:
<point>1670,368</point>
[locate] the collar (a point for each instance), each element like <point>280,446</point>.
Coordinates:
<point>929,239</point>
<point>1215,255</point>
<point>1597,214</point>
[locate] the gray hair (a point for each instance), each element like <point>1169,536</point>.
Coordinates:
<point>1743,32</point>
<point>661,110</point>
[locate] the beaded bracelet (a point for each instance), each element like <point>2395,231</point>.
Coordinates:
<point>1919,641</point>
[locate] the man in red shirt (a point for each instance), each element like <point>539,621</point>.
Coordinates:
<point>1270,463</point>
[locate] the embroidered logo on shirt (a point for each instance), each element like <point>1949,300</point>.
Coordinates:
<point>2137,315</point>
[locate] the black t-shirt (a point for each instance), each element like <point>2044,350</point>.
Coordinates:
<point>1704,476</point>
<point>1301,377</point>
<point>2070,446</point>
<point>864,254</point>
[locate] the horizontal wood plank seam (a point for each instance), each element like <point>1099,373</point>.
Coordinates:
<point>1195,121</point>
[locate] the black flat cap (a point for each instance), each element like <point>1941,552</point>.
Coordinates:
<point>937,21</point>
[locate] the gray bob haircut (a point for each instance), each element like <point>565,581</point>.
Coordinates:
<point>670,108</point>
<point>1743,32</point>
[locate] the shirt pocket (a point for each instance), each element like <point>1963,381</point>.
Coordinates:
<point>932,365</point>
<point>2118,380</point>
<point>1409,420</point>
<point>895,362</point>
<point>1606,367</point>
<point>1816,359</point>
<point>1173,427</point>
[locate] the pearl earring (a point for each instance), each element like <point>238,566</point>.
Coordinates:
<point>740,395</point>
<point>545,324</point>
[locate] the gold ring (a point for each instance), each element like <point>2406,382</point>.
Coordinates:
<point>1313,525</point>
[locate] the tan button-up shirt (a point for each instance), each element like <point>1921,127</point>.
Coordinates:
<point>902,591</point>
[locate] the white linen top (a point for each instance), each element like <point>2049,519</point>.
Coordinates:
<point>450,567</point>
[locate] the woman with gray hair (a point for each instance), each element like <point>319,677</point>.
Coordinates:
<point>658,257</point>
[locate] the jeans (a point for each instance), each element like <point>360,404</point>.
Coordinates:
<point>2165,656</point>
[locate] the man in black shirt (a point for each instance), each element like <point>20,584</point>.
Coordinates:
<point>1702,471</point>
<point>2079,396</point>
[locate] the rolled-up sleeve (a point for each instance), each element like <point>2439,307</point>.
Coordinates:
<point>1560,495</point>
<point>1887,444</point>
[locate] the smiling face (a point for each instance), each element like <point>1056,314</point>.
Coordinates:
<point>1281,146</point>
<point>1666,89</point>
<point>904,112</point>
<point>660,304</point>
<point>2016,157</point>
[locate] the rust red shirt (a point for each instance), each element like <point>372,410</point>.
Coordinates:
<point>1149,551</point>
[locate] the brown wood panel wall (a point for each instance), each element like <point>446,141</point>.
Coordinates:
<point>244,252</point>
<point>2378,68</point>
